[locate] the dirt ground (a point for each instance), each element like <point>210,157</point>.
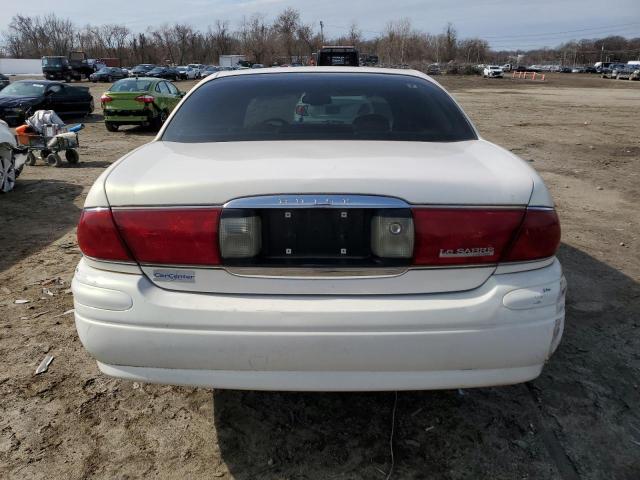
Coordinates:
<point>579,420</point>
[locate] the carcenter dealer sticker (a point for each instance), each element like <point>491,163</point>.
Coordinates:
<point>174,276</point>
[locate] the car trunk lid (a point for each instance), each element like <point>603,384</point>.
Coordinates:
<point>164,176</point>
<point>457,173</point>
<point>123,101</point>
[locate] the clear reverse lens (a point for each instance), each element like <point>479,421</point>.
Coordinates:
<point>240,236</point>
<point>392,235</point>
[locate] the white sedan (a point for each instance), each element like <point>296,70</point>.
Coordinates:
<point>187,73</point>
<point>253,246</point>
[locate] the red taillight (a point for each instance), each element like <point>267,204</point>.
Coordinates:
<point>450,236</point>
<point>478,236</point>
<point>98,236</point>
<point>302,110</point>
<point>145,98</point>
<point>105,98</point>
<point>538,237</point>
<point>171,236</point>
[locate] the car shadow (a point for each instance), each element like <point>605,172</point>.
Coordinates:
<point>520,431</point>
<point>139,131</point>
<point>91,118</point>
<point>81,164</point>
<point>89,164</point>
<point>29,225</point>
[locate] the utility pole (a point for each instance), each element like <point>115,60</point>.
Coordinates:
<point>322,32</point>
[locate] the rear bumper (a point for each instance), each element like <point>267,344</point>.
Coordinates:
<point>138,331</point>
<point>128,116</point>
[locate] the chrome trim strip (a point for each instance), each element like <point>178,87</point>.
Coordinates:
<point>467,206</point>
<point>317,201</point>
<point>114,262</point>
<point>546,209</point>
<point>166,207</point>
<point>95,209</point>
<point>363,201</point>
<point>181,265</point>
<point>316,273</point>
<point>321,271</point>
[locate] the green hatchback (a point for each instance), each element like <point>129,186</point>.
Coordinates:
<point>139,101</point>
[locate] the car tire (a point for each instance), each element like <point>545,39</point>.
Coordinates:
<point>67,78</point>
<point>72,156</point>
<point>54,160</point>
<point>111,127</point>
<point>44,154</point>
<point>159,119</point>
<point>31,159</point>
<point>110,79</point>
<point>92,107</point>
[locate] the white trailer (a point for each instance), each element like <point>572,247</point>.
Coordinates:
<point>231,60</point>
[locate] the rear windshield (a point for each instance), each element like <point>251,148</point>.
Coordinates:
<point>318,106</point>
<point>131,85</point>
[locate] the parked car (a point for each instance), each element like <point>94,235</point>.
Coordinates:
<point>199,68</point>
<point>72,67</point>
<point>108,74</point>
<point>611,70</point>
<point>401,250</point>
<point>11,160</point>
<point>493,71</point>
<point>433,69</point>
<point>577,70</point>
<point>257,65</point>
<point>168,73</point>
<point>338,110</point>
<point>141,70</point>
<point>211,69</point>
<point>635,75</point>
<point>590,70</point>
<point>4,81</point>
<point>623,73</point>
<point>23,97</point>
<point>139,101</point>
<point>186,73</point>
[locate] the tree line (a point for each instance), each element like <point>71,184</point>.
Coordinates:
<point>284,39</point>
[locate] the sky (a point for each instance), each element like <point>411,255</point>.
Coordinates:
<point>506,24</point>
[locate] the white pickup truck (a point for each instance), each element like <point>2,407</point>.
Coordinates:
<point>493,71</point>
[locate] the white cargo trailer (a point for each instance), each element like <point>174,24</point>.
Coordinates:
<point>231,60</point>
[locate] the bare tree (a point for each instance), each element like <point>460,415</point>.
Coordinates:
<point>285,26</point>
<point>355,35</point>
<point>284,38</point>
<point>220,39</point>
<point>450,39</point>
<point>257,38</point>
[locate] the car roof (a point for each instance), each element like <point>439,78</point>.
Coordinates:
<point>150,79</point>
<point>298,70</point>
